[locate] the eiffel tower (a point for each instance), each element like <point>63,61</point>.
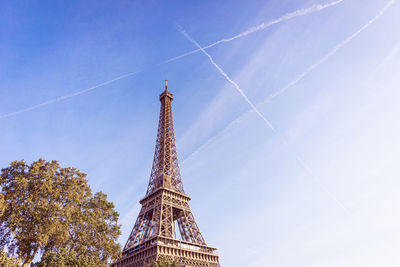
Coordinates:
<point>165,227</point>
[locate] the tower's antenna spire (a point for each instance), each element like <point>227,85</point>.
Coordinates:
<point>166,93</point>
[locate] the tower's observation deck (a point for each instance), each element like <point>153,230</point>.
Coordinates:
<point>165,226</point>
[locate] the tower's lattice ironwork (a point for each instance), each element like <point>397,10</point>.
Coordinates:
<point>165,226</point>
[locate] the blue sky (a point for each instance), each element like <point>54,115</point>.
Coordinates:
<point>250,196</point>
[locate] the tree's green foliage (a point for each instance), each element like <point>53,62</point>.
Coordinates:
<point>48,208</point>
<point>163,262</point>
<point>8,261</point>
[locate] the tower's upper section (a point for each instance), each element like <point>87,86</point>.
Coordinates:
<point>165,172</point>
<point>166,93</point>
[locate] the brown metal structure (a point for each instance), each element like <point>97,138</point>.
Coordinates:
<point>165,226</point>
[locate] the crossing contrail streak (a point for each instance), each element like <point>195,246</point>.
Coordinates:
<point>329,54</point>
<point>61,98</point>
<point>229,79</point>
<point>299,77</point>
<point>262,26</point>
<point>298,158</point>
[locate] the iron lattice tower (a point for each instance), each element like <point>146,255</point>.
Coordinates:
<point>165,226</point>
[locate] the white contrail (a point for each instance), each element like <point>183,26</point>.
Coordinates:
<point>66,96</point>
<point>210,141</point>
<point>228,78</point>
<point>318,181</point>
<point>298,158</point>
<point>262,26</point>
<point>328,55</point>
<point>298,78</point>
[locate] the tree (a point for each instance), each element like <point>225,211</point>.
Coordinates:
<point>48,208</point>
<point>8,261</point>
<point>164,262</point>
